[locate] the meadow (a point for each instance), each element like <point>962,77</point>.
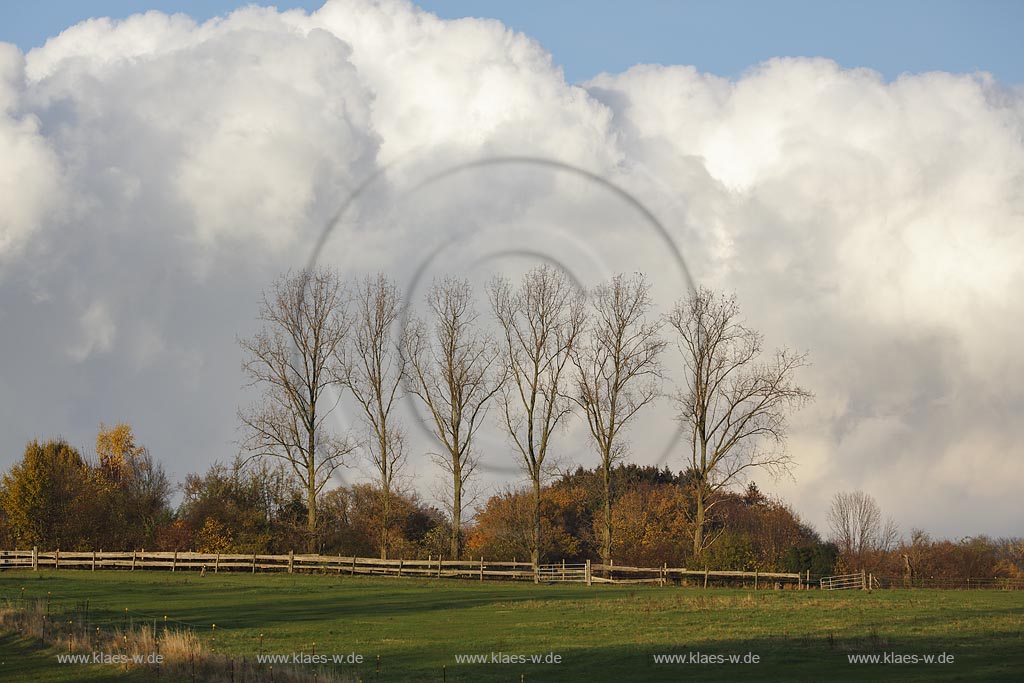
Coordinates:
<point>419,627</point>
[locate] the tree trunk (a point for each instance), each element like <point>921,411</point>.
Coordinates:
<point>311,479</point>
<point>456,548</point>
<point>698,529</point>
<point>606,550</point>
<point>535,551</point>
<point>385,485</point>
<point>385,521</point>
<point>311,514</point>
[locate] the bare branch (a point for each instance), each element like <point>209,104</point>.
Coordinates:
<point>734,405</point>
<point>454,370</point>
<point>617,372</point>
<point>540,322</point>
<point>372,368</point>
<point>293,359</point>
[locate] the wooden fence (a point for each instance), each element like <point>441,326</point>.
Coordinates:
<point>290,563</point>
<point>479,569</point>
<point>614,573</point>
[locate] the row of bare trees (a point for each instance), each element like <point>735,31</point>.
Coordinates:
<point>551,351</point>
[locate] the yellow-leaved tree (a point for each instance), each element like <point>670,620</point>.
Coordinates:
<point>116,450</point>
<point>134,491</point>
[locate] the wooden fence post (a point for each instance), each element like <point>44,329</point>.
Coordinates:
<point>56,559</point>
<point>863,580</point>
<point>481,567</point>
<point>664,572</point>
<point>401,561</point>
<point>755,579</point>
<point>216,564</point>
<point>807,585</point>
<point>353,565</point>
<point>589,580</point>
<point>94,561</point>
<point>611,569</point>
<point>174,561</point>
<point>35,558</point>
<point>439,566</point>
<point>705,576</point>
<point>134,555</point>
<point>291,561</point>
<point>254,563</point>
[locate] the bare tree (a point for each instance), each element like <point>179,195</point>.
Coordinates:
<point>733,404</point>
<point>373,370</point>
<point>857,527</point>
<point>293,358</point>
<point>540,321</point>
<point>453,369</point>
<point>618,373</point>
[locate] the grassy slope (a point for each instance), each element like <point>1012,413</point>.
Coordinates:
<point>22,660</point>
<point>603,633</point>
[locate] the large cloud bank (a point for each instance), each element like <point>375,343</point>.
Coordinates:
<point>156,173</point>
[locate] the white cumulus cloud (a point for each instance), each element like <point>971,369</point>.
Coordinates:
<point>157,173</point>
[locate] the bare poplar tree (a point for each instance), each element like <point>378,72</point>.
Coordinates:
<point>618,373</point>
<point>733,403</point>
<point>540,322</point>
<point>857,527</point>
<point>453,368</point>
<point>373,370</point>
<point>293,358</point>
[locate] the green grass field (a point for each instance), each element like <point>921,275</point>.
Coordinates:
<point>601,633</point>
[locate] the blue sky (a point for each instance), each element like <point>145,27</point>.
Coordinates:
<point>724,37</point>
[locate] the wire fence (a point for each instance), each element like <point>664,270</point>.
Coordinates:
<point>950,583</point>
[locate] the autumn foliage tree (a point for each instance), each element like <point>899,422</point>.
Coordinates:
<point>132,487</point>
<point>46,496</point>
<point>116,450</point>
<point>651,525</point>
<point>504,526</point>
<point>255,507</point>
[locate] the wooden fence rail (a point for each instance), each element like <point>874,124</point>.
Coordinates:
<point>615,573</point>
<point>479,569</point>
<point>290,563</point>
